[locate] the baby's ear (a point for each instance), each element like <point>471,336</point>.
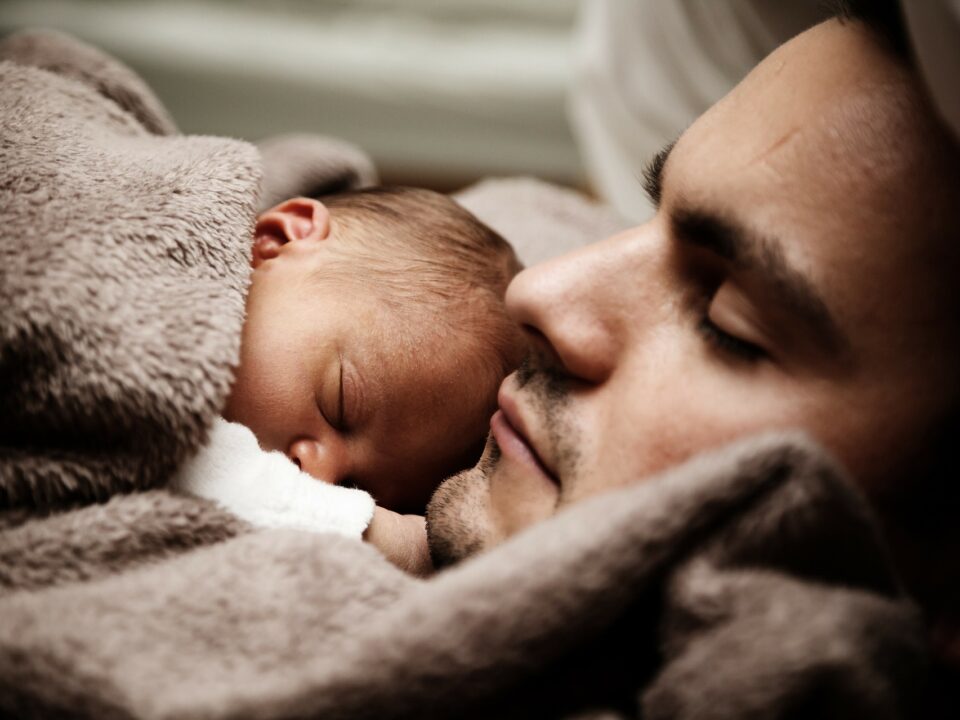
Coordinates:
<point>296,220</point>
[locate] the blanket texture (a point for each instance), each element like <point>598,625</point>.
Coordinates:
<point>748,583</point>
<point>123,271</point>
<point>540,220</point>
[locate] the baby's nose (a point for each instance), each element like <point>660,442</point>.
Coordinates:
<point>315,459</point>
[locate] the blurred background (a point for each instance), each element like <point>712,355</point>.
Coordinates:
<point>442,93</point>
<point>438,93</point>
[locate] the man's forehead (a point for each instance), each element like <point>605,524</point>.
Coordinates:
<point>810,145</point>
<point>818,165</point>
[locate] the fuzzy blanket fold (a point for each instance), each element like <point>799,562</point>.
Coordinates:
<point>749,582</point>
<point>123,271</point>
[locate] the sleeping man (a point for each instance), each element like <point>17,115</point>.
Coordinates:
<point>373,344</point>
<point>800,273</point>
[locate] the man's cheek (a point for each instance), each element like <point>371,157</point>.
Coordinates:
<point>458,518</point>
<point>624,443</point>
<point>519,498</point>
<point>614,443</point>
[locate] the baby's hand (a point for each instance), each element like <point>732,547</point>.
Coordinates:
<point>402,539</point>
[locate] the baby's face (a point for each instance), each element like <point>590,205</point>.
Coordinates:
<point>326,377</point>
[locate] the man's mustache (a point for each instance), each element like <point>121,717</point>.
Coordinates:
<point>544,371</point>
<point>547,386</point>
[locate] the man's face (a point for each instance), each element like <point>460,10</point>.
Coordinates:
<point>789,279</point>
<point>328,375</point>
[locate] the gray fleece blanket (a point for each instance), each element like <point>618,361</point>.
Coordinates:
<point>747,583</point>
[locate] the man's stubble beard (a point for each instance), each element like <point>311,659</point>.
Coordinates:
<point>459,521</point>
<point>458,514</point>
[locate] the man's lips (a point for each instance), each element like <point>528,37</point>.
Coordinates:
<point>510,433</point>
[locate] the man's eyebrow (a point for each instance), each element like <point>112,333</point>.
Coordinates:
<point>653,174</point>
<point>748,251</point>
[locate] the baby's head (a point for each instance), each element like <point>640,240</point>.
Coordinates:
<point>375,339</point>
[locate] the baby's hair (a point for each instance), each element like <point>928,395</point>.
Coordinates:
<point>423,251</point>
<point>446,242</point>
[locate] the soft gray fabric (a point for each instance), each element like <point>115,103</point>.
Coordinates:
<point>728,566</point>
<point>311,165</point>
<point>540,220</point>
<point>123,271</point>
<point>61,55</point>
<point>746,583</point>
<point>100,540</point>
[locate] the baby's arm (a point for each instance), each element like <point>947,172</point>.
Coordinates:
<point>266,489</point>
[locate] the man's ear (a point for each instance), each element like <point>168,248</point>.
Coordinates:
<point>296,220</point>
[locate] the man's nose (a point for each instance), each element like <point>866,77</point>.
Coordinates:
<point>577,304</point>
<point>322,460</point>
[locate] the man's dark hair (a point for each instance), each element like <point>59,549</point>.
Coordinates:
<point>884,17</point>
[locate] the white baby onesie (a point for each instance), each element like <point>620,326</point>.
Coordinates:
<point>268,490</point>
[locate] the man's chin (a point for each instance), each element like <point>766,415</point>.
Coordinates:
<point>458,514</point>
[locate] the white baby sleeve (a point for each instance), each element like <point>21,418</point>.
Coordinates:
<point>266,489</point>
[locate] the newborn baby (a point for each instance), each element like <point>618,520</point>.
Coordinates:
<point>374,343</point>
